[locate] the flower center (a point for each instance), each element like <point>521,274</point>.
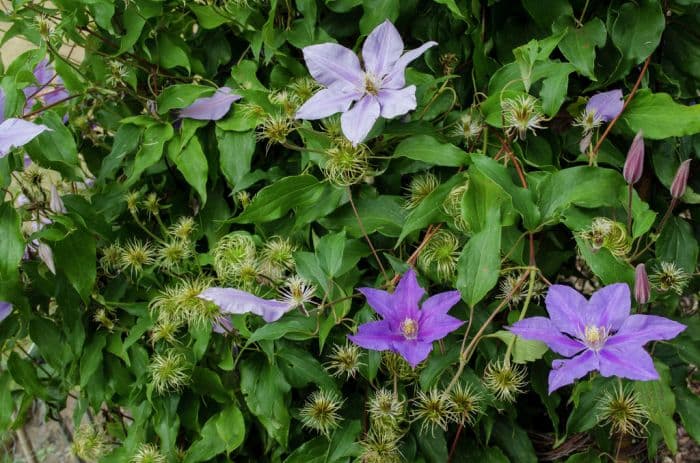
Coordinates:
<point>371,84</point>
<point>409,328</point>
<point>595,336</point>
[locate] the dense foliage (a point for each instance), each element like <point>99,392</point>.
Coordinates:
<point>132,186</point>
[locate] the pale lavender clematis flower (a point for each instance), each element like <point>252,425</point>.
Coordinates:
<point>605,106</point>
<point>211,108</point>
<point>55,202</point>
<point>406,329</point>
<point>598,334</point>
<point>236,301</point>
<point>17,132</point>
<point>50,89</point>
<point>378,90</point>
<point>5,310</point>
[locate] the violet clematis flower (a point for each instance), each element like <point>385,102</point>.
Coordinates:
<point>17,132</point>
<point>605,106</point>
<point>5,310</point>
<point>378,90</point>
<point>236,301</point>
<point>211,108</point>
<point>406,329</point>
<point>598,334</point>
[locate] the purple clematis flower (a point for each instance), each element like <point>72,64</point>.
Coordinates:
<point>236,301</point>
<point>5,310</point>
<point>378,90</point>
<point>17,132</point>
<point>50,89</point>
<point>605,106</point>
<point>406,329</point>
<point>211,108</point>
<point>598,334</point>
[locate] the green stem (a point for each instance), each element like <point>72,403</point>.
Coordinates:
<point>526,304</point>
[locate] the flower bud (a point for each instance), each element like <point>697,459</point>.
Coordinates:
<point>641,284</point>
<point>634,164</point>
<point>680,181</point>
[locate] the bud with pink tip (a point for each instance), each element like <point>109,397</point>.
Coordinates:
<point>680,181</point>
<point>641,284</point>
<point>634,164</point>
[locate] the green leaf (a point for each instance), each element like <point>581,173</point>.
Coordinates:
<point>223,432</point>
<point>585,396</point>
<point>688,406</point>
<point>376,11</point>
<point>606,266</point>
<point>54,148</point>
<point>24,374</point>
<point>677,243</point>
<point>126,140</point>
<point>344,442</point>
<point>236,151</point>
<point>482,197</point>
<point>660,402</point>
<point>579,44</point>
<point>312,451</point>
<point>427,149</point>
<point>181,96</point>
<point>207,16</point>
<point>330,249</point>
<point>172,52</point>
<point>52,345</point>
<point>274,201</point>
<point>554,88</point>
<point>192,163</point>
<point>154,139</point>
<point>659,117</point>
<point>514,441</point>
<point>75,256</point>
<point>12,243</point>
<point>383,214</point>
<point>301,368</point>
<point>91,360</point>
<point>302,326</point>
<point>637,30</point>
<point>524,350</point>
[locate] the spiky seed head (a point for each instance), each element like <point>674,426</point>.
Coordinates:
<point>344,164</point>
<point>230,253</point>
<point>508,284</point>
<point>151,204</point>
<point>386,411</point>
<point>419,188</point>
<point>275,129</point>
<point>148,453</point>
<point>288,101</point>
<point>136,255</point>
<point>468,127</point>
<point>111,258</point>
<point>433,409</point>
<point>521,114</point>
<point>297,292</point>
<point>132,199</point>
<point>587,121</point>
<point>304,88</point>
<point>169,371</point>
<point>183,228</point>
<point>180,303</point>
<point>89,443</point>
<point>320,412</point>
<point>105,318</point>
<point>396,365</point>
<point>669,277</point>
<point>505,380</point>
<point>277,257</point>
<point>344,361</point>
<point>609,234</point>
<point>448,61</point>
<point>173,255</point>
<point>331,125</point>
<point>380,447</point>
<point>441,254</point>
<point>622,410</point>
<point>242,198</point>
<point>165,330</point>
<point>252,111</point>
<point>467,403</point>
<point>452,205</point>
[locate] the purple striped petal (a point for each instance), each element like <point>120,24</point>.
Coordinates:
<point>329,63</point>
<point>408,293</point>
<point>440,304</point>
<point>437,327</point>
<point>609,306</point>
<point>325,103</point>
<point>607,105</point>
<point>375,336</point>
<point>397,102</point>
<point>17,132</point>
<point>543,329</point>
<point>232,300</point>
<point>413,352</point>
<point>358,121</point>
<point>396,79</point>
<point>638,330</point>
<point>566,308</point>
<point>5,310</point>
<point>567,371</point>
<point>630,362</point>
<point>211,108</point>
<point>382,49</point>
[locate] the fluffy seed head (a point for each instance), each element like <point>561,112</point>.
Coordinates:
<point>105,318</point>
<point>230,253</point>
<point>466,403</point>
<point>111,258</point>
<point>521,114</point>
<point>386,411</point>
<point>172,255</point>
<point>468,127</point>
<point>321,412</point>
<point>441,255</point>
<point>433,409</point>
<point>419,188</point>
<point>587,121</point>
<point>345,164</point>
<point>151,204</point>
<point>148,453</point>
<point>297,292</point>
<point>621,409</point>
<point>169,371</point>
<point>89,443</point>
<point>304,88</point>
<point>396,365</point>
<point>669,277</point>
<point>183,228</point>
<point>453,206</point>
<point>136,255</point>
<point>380,447</point>
<point>165,330</point>
<point>508,284</point>
<point>275,129</point>
<point>277,257</point>
<point>344,361</point>
<point>179,303</point>
<point>132,201</point>
<point>609,234</point>
<point>505,380</point>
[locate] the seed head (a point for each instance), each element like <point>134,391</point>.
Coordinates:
<point>466,403</point>
<point>277,257</point>
<point>183,228</point>
<point>297,292</point>
<point>588,121</point>
<point>165,330</point>
<point>275,129</point>
<point>345,164</point>
<point>304,88</point>
<point>441,255</point>
<point>169,371</point>
<point>468,127</point>
<point>344,361</point>
<point>433,409</point>
<point>508,284</point>
<point>386,411</point>
<point>453,206</point>
<point>621,409</point>
<point>148,453</point>
<point>419,189</point>
<point>331,125</point>
<point>396,365</point>
<point>321,412</point>
<point>111,258</point>
<point>135,255</point>
<point>179,303</point>
<point>172,255</point>
<point>230,253</point>
<point>521,114</point>
<point>242,198</point>
<point>669,277</point>
<point>289,101</point>
<point>132,201</point>
<point>448,61</point>
<point>505,380</point>
<point>609,234</point>
<point>105,318</point>
<point>89,444</point>
<point>380,447</point>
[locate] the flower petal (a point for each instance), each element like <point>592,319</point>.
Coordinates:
<point>222,325</point>
<point>45,253</point>
<point>380,301</point>
<point>408,294</point>
<point>437,326</point>
<point>413,351</point>
<point>397,102</point>
<point>396,79</point>
<point>567,371</point>
<point>17,132</point>
<point>609,306</point>
<point>630,362</point>
<point>375,336</point>
<point>232,300</point>
<point>211,108</point>
<point>543,329</point>
<point>640,329</point>
<point>326,102</point>
<point>5,310</point>
<point>382,49</point>
<point>441,303</point>
<point>329,63</point>
<point>606,105</point>
<point>358,121</point>
<point>566,308</point>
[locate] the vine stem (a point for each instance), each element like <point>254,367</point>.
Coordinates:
<point>364,233</point>
<point>453,448</point>
<point>629,210</point>
<point>412,259</point>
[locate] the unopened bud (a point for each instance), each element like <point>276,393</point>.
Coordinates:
<point>680,181</point>
<point>634,164</point>
<point>641,284</point>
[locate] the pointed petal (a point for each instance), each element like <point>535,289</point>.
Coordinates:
<point>437,327</point>
<point>567,371</point>
<point>413,351</point>
<point>397,102</point>
<point>628,362</point>
<point>5,310</point>
<point>408,294</point>
<point>325,103</point>
<point>566,308</point>
<point>222,325</point>
<point>382,49</point>
<point>358,121</point>
<point>379,300</point>
<point>55,202</point>
<point>46,255</point>
<point>43,72</point>
<point>607,105</point>
<point>609,306</point>
<point>396,79</point>
<point>211,108</point>
<point>17,132</point>
<point>375,336</point>
<point>440,304</point>
<point>640,329</point>
<point>542,329</point>
<point>329,63</point>
<point>54,96</point>
<point>232,300</point>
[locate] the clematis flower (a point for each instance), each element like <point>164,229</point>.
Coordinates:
<point>605,106</point>
<point>211,108</point>
<point>597,334</point>
<point>16,133</point>
<point>680,180</point>
<point>236,301</point>
<point>406,329</point>
<point>5,310</point>
<point>378,90</point>
<point>50,87</point>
